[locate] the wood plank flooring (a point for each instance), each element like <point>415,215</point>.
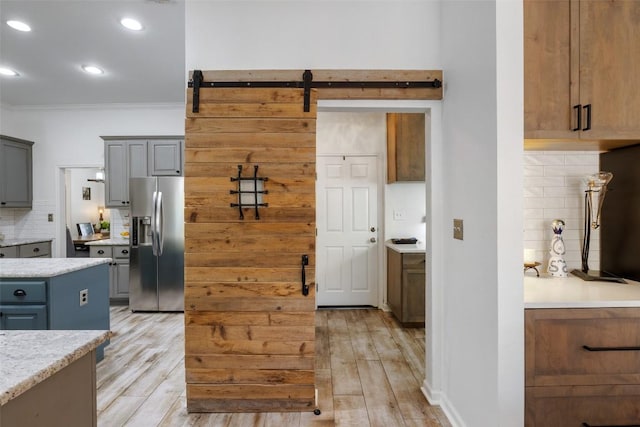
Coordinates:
<point>368,373</point>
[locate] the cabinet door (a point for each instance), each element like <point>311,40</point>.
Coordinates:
<point>394,282</point>
<point>165,157</point>
<point>547,69</point>
<point>16,184</point>
<point>137,160</point>
<point>610,67</point>
<point>413,284</point>
<point>117,181</point>
<point>23,317</point>
<point>405,147</point>
<point>121,289</point>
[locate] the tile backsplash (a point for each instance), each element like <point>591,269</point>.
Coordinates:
<point>554,189</point>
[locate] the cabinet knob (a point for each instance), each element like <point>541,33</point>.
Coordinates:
<point>19,293</point>
<point>178,172</point>
<point>101,252</point>
<point>1,255</point>
<point>123,202</point>
<point>36,249</point>
<point>125,251</point>
<point>3,203</point>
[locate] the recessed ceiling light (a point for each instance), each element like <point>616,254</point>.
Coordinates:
<point>131,24</point>
<point>18,25</point>
<point>92,69</point>
<point>8,72</point>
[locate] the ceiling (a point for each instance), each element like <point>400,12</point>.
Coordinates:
<point>140,67</point>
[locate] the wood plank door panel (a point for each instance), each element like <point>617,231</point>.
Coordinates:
<point>249,330</point>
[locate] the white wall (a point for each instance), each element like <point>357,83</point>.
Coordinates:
<point>70,137</point>
<point>554,188</point>
<point>483,363</point>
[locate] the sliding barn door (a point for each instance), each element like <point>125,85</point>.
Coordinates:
<point>249,330</point>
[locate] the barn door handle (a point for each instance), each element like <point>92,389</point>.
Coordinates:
<point>305,287</point>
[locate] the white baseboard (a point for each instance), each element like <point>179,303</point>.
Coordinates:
<point>440,399</point>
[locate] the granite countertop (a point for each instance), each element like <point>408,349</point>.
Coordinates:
<point>572,292</point>
<point>45,267</point>
<point>418,248</point>
<point>17,242</point>
<point>29,357</point>
<point>116,241</point>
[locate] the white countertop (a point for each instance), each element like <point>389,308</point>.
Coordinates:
<point>116,241</point>
<point>30,357</point>
<point>418,248</point>
<point>45,267</point>
<point>17,242</point>
<point>572,292</point>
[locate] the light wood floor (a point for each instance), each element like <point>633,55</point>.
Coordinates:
<point>368,373</point>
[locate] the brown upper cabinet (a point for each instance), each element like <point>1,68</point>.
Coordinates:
<point>405,147</point>
<point>581,68</point>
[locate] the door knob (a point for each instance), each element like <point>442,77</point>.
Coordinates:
<point>373,229</point>
<point>372,240</point>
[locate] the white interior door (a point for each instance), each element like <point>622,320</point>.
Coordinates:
<point>347,221</point>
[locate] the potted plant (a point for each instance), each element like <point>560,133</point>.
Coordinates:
<point>104,228</point>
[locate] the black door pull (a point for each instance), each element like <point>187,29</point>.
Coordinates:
<point>588,126</point>
<point>19,293</point>
<point>305,287</point>
<point>578,109</point>
<point>589,348</point>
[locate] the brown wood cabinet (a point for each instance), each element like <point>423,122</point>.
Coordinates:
<point>582,366</point>
<point>581,67</point>
<point>405,147</point>
<point>405,286</point>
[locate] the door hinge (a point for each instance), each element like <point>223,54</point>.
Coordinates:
<point>316,232</point>
<point>317,287</point>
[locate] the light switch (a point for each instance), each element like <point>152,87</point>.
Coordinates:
<point>50,217</point>
<point>458,229</point>
<point>399,215</point>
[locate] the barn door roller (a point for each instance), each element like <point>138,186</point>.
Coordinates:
<point>197,82</point>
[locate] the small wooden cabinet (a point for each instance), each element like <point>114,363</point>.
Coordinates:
<point>405,286</point>
<point>16,176</point>
<point>405,147</point>
<point>580,82</point>
<point>582,366</point>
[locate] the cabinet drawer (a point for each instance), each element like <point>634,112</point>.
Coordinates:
<point>100,251</point>
<point>32,250</point>
<point>413,261</point>
<point>591,405</point>
<point>121,252</point>
<point>9,252</point>
<point>16,292</point>
<point>555,352</point>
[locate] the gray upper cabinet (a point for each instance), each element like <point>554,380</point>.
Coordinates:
<point>124,159</point>
<point>16,174</point>
<point>165,157</point>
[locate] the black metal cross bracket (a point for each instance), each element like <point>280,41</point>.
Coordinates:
<point>255,178</point>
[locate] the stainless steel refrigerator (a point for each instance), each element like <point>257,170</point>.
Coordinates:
<point>156,275</point>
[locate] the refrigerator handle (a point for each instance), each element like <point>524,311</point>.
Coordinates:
<point>154,229</point>
<point>160,223</point>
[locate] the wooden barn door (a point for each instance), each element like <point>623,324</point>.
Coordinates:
<point>249,330</point>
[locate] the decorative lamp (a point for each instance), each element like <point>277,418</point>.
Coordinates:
<point>593,200</point>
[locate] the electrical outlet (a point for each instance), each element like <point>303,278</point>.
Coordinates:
<point>458,229</point>
<point>399,215</point>
<point>50,217</point>
<point>84,297</point>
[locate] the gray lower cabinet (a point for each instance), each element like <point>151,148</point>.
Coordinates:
<point>406,286</point>
<point>16,176</point>
<point>23,305</point>
<point>28,250</point>
<point>118,270</point>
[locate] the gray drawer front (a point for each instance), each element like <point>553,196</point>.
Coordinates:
<point>16,292</point>
<point>121,252</point>
<point>32,250</point>
<point>9,252</point>
<point>100,251</point>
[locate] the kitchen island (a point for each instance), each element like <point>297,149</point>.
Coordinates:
<point>48,377</point>
<point>55,293</point>
<point>582,352</point>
